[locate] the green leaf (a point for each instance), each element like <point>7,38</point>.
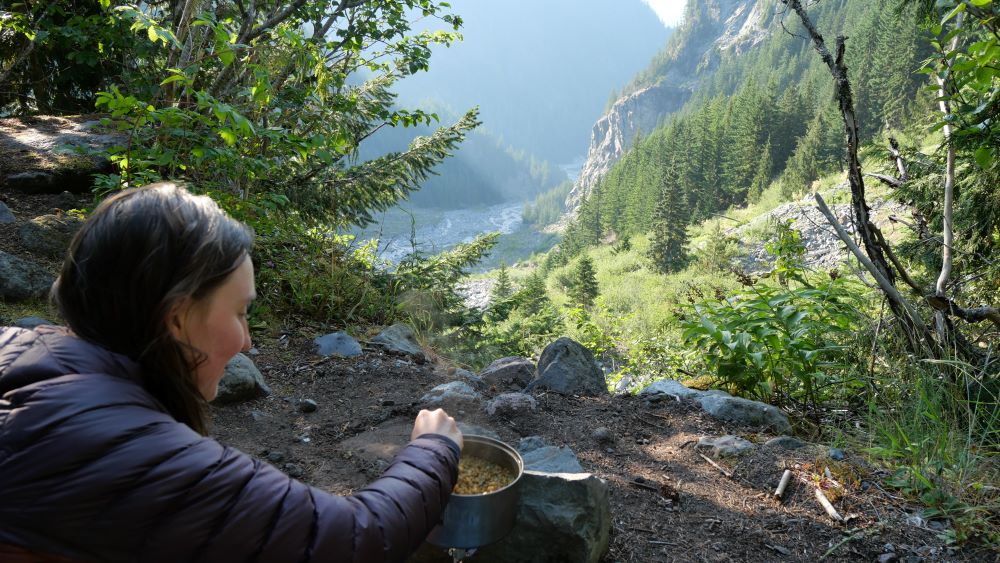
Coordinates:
<point>227,56</point>
<point>980,3</point>
<point>228,135</point>
<point>984,157</point>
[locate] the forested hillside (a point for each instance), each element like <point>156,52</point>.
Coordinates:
<point>764,114</point>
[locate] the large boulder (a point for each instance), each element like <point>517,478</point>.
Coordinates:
<point>48,154</point>
<point>21,279</point>
<point>242,381</point>
<point>510,373</point>
<point>539,455</point>
<point>669,388</point>
<point>337,344</point>
<point>561,517</point>
<point>400,339</point>
<point>565,366</point>
<point>49,235</point>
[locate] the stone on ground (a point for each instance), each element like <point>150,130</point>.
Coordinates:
<point>511,403</point>
<point>669,387</point>
<point>455,395</point>
<point>745,412</point>
<point>31,322</point>
<point>400,339</point>
<point>49,235</point>
<point>539,455</point>
<point>337,344</point>
<point>242,381</point>
<point>565,366</point>
<point>21,279</point>
<point>512,372</point>
<point>724,446</point>
<point>6,216</point>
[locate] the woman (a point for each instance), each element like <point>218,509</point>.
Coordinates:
<point>103,453</point>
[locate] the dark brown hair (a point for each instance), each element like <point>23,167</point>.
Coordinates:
<point>138,255</point>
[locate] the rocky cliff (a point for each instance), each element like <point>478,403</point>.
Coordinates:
<point>711,29</point>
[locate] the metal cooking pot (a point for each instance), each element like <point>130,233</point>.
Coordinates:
<point>472,521</point>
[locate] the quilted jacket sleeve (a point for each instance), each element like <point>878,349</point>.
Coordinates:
<point>119,481</point>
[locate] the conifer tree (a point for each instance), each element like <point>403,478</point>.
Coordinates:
<point>669,231</point>
<point>762,177</point>
<point>584,288</point>
<point>503,288</point>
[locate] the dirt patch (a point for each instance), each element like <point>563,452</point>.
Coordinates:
<point>667,502</point>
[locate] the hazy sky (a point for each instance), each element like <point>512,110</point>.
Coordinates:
<point>669,11</point>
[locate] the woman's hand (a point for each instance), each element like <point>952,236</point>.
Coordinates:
<point>436,422</point>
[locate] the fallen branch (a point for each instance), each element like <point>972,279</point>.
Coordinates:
<point>783,484</point>
<point>971,315</point>
<point>724,471</point>
<point>643,486</point>
<point>828,506</point>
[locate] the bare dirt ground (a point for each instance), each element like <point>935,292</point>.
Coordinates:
<point>667,502</point>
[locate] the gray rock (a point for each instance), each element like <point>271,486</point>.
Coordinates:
<point>31,322</point>
<point>49,235</point>
<point>5,214</point>
<point>785,443</point>
<point>567,367</point>
<point>837,454</point>
<point>512,372</point>
<point>32,181</point>
<point>745,412</point>
<point>669,387</point>
<point>242,381</point>
<point>603,435</point>
<point>474,430</point>
<point>511,403</point>
<point>538,455</point>
<point>561,517</point>
<point>21,279</point>
<point>724,446</point>
<point>307,406</point>
<point>400,339</point>
<point>294,470</point>
<point>454,395</point>
<point>470,378</point>
<point>275,457</point>
<point>337,343</point>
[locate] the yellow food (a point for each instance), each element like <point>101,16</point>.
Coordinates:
<point>476,476</point>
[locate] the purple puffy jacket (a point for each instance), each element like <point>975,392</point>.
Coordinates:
<point>93,468</point>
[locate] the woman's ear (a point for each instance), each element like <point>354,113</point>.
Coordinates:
<point>177,319</point>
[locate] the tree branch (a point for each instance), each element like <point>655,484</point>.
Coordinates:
<point>972,314</point>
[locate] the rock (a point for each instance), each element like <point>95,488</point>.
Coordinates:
<point>400,339</point>
<point>745,412</point>
<point>561,517</point>
<point>337,343</point>
<point>603,435</point>
<point>669,387</point>
<point>307,405</point>
<point>275,457</point>
<point>888,558</point>
<point>242,381</point>
<point>21,279</point>
<point>785,443</point>
<point>48,154</point>
<point>539,455</point>
<point>469,377</point>
<point>294,470</point>
<point>474,430</point>
<point>49,235</point>
<point>837,454</point>
<point>724,446</point>
<point>31,322</point>
<point>512,372</point>
<point>511,403</point>
<point>567,367</point>
<point>451,396</point>
<point>5,214</point>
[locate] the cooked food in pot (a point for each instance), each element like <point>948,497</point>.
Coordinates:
<point>476,476</point>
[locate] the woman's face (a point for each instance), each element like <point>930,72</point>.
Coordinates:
<point>216,325</point>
